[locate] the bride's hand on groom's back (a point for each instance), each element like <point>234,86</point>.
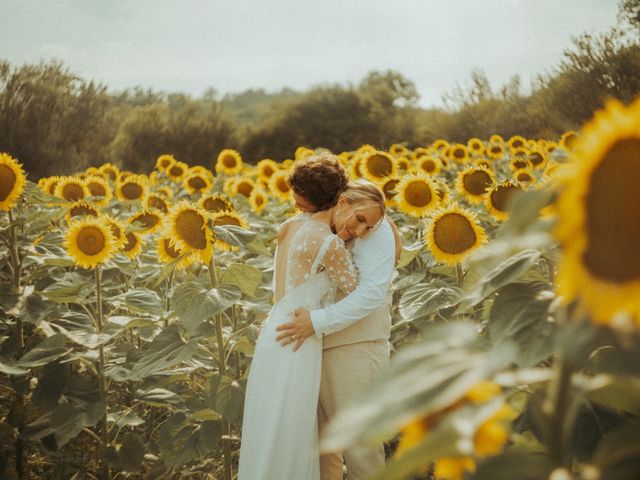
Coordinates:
<point>297,330</point>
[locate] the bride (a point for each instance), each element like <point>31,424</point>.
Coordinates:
<point>279,431</point>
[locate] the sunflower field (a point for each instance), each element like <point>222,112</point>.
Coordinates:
<point>130,304</point>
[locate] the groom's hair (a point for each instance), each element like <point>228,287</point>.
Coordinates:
<point>320,179</point>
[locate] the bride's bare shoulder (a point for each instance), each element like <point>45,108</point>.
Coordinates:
<point>284,226</point>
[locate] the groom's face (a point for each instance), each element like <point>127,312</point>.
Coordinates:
<point>304,204</point>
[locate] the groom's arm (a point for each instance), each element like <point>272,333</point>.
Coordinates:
<point>375,261</point>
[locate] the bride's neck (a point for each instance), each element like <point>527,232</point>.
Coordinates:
<point>323,216</point>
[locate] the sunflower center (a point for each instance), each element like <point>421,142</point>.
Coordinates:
<point>190,226</point>
<point>520,163</point>
<point>96,189</point>
<point>517,144</point>
<point>501,196</point>
<point>91,241</point>
<point>115,230</point>
<point>244,188</point>
<point>110,173</point>
<point>389,189</point>
<point>226,220</point>
<point>131,191</point>
<point>524,177</point>
<point>496,149</point>
<point>215,204</point>
<point>282,185</point>
<point>72,192</point>
<point>148,220</point>
<point>418,194</point>
<point>229,161</point>
<point>428,166</point>
<point>613,214</point>
<point>197,183</point>
<point>157,202</point>
<point>536,158</point>
<point>7,181</point>
<point>172,252</point>
<point>379,165</point>
<point>476,182</point>
<point>130,241</point>
<point>82,210</point>
<point>267,171</point>
<point>453,233</point>
<point>458,153</point>
<point>175,171</point>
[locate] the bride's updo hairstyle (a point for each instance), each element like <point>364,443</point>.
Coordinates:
<point>365,193</point>
<point>320,179</point>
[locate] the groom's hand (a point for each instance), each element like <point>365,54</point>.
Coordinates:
<point>298,329</point>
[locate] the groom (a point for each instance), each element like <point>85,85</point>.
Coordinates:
<point>355,333</point>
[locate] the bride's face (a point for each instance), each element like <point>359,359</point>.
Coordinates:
<point>355,220</point>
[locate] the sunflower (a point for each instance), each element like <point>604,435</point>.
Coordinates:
<point>99,189</point>
<point>149,221</point>
<point>168,253</point>
<point>598,214</point>
<point>483,162</point>
<point>187,227</point>
<point>495,151</point>
<point>354,169</point>
<point>568,140</point>
<point>244,186</point>
<point>459,153</point>
<point>453,234</point>
<point>399,149</point>
<point>364,149</point>
<point>80,209</point>
<point>498,198</point>
<point>402,163</point>
<point>110,171</point>
<point>473,182</point>
<point>93,171</point>
<point>377,166</point>
<point>537,158</point>
<point>215,203</point>
<point>132,245</point>
<point>442,191</point>
<point>157,202</point>
<point>524,175</point>
<point>133,187</point>
<point>258,200</point>
<point>164,161</point>
<point>71,189</point>
<point>117,230</point>
<point>475,146</point>
<point>165,192</point>
<point>229,185</point>
<point>279,186</point>
<point>229,162</point>
<point>440,145</point>
<point>227,218</point>
<point>519,162</point>
<point>496,139</point>
<point>417,195</point>
<point>517,142</point>
<point>196,182</point>
<point>390,191</point>
<point>12,181</point>
<point>123,175</point>
<point>89,242</point>
<point>177,171</point>
<point>302,152</point>
<point>266,167</point>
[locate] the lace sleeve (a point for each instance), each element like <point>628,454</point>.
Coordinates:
<point>339,265</point>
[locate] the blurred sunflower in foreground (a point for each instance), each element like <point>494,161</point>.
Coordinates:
<point>599,217</point>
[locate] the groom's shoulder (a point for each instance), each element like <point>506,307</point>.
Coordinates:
<point>382,235</point>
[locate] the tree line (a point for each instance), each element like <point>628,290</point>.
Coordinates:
<point>55,122</point>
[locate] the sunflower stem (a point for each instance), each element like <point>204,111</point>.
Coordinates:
<point>459,274</point>
<point>222,365</point>
<point>560,413</point>
<point>106,471</point>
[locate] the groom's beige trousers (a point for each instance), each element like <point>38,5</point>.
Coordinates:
<point>346,370</point>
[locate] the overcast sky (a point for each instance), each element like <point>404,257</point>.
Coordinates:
<point>233,45</point>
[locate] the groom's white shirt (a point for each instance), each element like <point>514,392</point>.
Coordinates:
<point>374,255</point>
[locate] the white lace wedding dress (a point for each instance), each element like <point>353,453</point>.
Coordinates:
<point>279,430</point>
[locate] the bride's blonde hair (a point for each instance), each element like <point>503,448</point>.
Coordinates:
<point>363,191</point>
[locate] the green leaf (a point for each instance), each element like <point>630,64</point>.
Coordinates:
<point>129,454</point>
<point>7,368</point>
<point>409,254</point>
<point>159,397</point>
<point>621,393</point>
<point>182,440</point>
<point>140,300</point>
<point>194,304</point>
<point>72,290</point>
<point>246,277</point>
<point>48,350</point>
<point>515,465</point>
<point>422,379</point>
<point>520,313</point>
<point>426,298</point>
<point>257,247</point>
<point>507,272</point>
<point>230,399</point>
<point>618,454</point>
<point>234,235</point>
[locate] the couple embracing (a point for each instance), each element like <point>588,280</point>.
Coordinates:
<point>327,335</point>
